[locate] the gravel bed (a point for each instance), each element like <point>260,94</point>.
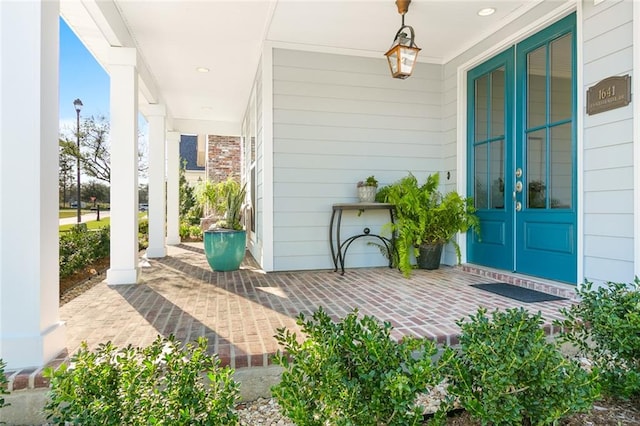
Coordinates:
<point>266,411</point>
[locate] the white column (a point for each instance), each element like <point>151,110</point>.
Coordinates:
<point>173,195</point>
<point>635,80</point>
<point>124,167</point>
<point>30,329</point>
<point>268,253</point>
<point>156,115</point>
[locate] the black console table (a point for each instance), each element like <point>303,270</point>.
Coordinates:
<point>339,248</point>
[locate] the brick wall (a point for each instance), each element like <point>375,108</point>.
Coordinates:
<point>223,157</point>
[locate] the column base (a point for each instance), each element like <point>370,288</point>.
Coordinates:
<point>29,351</point>
<point>173,241</point>
<point>123,276</point>
<point>156,252</point>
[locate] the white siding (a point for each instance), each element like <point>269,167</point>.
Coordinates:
<point>259,166</point>
<point>256,247</point>
<point>337,120</point>
<point>608,147</point>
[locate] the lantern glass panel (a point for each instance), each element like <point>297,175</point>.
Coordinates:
<point>393,61</point>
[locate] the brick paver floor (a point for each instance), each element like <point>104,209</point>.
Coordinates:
<point>239,312</point>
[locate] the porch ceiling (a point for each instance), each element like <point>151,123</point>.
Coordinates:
<point>175,37</point>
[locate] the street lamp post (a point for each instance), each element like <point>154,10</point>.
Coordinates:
<point>78,106</point>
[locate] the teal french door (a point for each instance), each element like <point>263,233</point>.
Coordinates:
<point>521,131</point>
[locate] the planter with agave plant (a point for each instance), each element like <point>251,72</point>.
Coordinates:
<point>225,241</point>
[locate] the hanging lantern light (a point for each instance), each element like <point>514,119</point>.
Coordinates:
<point>403,52</point>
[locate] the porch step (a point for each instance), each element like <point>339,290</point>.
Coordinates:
<point>556,288</point>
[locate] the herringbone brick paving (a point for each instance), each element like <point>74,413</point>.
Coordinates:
<point>239,312</point>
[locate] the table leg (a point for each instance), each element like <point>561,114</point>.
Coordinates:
<point>340,256</point>
<point>333,251</point>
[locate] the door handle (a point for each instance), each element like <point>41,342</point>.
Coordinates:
<point>519,186</point>
<point>518,206</point>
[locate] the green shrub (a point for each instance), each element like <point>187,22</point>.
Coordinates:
<point>143,234</point>
<point>352,373</point>
<point>143,226</point>
<point>159,384</point>
<point>194,214</point>
<point>195,231</point>
<point>605,327</point>
<point>3,384</point>
<point>506,373</point>
<point>80,247</point>
<point>184,230</point>
<point>188,231</point>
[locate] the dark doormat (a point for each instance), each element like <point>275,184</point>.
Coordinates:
<point>518,293</point>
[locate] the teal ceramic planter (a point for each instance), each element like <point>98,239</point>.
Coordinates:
<point>225,248</point>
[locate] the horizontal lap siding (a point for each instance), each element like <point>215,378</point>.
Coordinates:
<point>259,208</point>
<point>337,120</point>
<point>608,147</point>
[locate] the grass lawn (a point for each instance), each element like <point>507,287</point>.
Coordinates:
<point>63,214</point>
<point>94,224</point>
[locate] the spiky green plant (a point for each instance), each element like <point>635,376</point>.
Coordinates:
<point>225,199</point>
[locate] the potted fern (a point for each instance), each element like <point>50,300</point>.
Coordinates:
<point>426,220</point>
<point>225,241</point>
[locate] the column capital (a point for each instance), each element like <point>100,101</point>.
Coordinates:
<point>123,56</point>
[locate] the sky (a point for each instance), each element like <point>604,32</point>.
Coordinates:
<point>80,77</point>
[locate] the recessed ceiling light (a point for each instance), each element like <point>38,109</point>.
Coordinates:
<point>202,69</point>
<point>487,11</point>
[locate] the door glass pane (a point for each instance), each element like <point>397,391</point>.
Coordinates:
<point>497,102</point>
<point>536,87</point>
<point>496,174</point>
<point>535,176</point>
<point>560,105</point>
<point>560,169</point>
<point>480,194</point>
<point>482,90</point>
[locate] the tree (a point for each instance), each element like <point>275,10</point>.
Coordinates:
<point>143,193</point>
<point>95,189</point>
<point>94,141</point>
<point>190,210</point>
<point>95,156</point>
<point>67,161</point>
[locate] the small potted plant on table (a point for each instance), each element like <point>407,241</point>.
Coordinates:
<point>225,241</point>
<point>367,190</point>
